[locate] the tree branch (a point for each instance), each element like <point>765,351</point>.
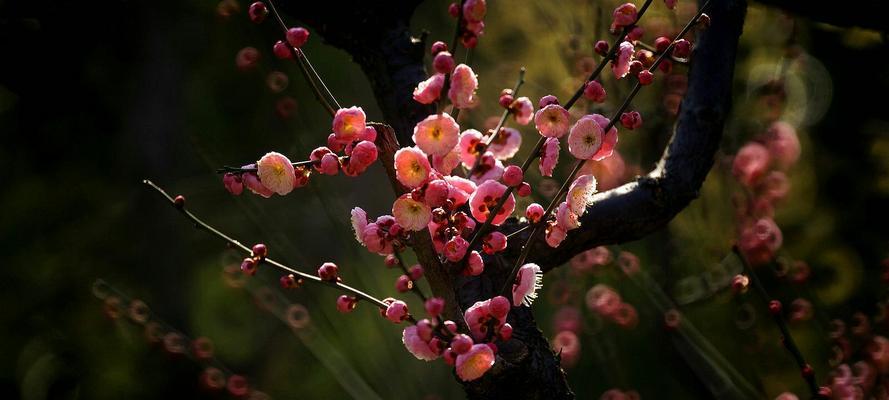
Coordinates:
<point>637,209</point>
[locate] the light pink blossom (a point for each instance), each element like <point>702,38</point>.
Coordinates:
<point>349,123</point>
<point>463,86</point>
<point>412,215</point>
<point>783,144</point>
<point>555,234</point>
<point>621,65</point>
<point>506,143</point>
<point>437,134</point>
<point>552,121</point>
<point>359,223</point>
<point>529,280</point>
<point>460,189</point>
<point>609,141</point>
<point>416,345</point>
<point>475,362</point>
<point>486,197</point>
<point>580,193</point>
<point>411,166</point>
<point>586,138</point>
<point>429,90</point>
<point>751,163</point>
<point>469,146</point>
<point>549,156</point>
<point>276,173</point>
<point>522,110</point>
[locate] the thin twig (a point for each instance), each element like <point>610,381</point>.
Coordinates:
<point>487,142</point>
<point>240,170</point>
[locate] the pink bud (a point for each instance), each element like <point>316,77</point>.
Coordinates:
<point>424,329</point>
<point>392,260</point>
<point>454,10</point>
<point>443,62</point>
<point>260,250</point>
<point>547,100</point>
<point>416,272</point>
<point>438,47</point>
<point>297,36</point>
<point>328,272</point>
<point>461,343</point>
<point>494,242</point>
<point>330,164</point>
<point>661,43</point>
<point>233,183</point>
<point>345,304</point>
<point>524,190</point>
<point>247,58</point>
<point>403,284</point>
<point>601,48</point>
<point>645,77</point>
<point>682,48</point>
<point>624,14</point>
<point>534,213</point>
<point>450,358</point>
<point>500,308</point>
<point>635,33</point>
<point>434,306</point>
<point>257,12</point>
<point>456,248</point>
<point>475,265</point>
<point>512,176</point>
<point>436,193</point>
<point>594,92</point>
<point>451,326</point>
<point>248,266</point>
<point>506,332</point>
<point>281,50</point>
<point>397,311</point>
<point>631,120</point>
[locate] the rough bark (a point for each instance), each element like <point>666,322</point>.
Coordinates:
<point>378,39</point>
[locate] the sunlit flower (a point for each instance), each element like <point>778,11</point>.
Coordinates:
<point>445,164</point>
<point>506,143</point>
<point>429,90</point>
<point>522,110</point>
<point>397,311</point>
<point>609,141</point>
<point>475,265</point>
<point>529,280</point>
<point>489,168</point>
<point>552,121</point>
<point>751,163</point>
<point>463,86</point>
<point>565,218</point>
<point>412,215</point>
<point>475,362</point>
<point>456,248</point>
<point>416,345</point>
<point>359,223</point>
<point>624,14</point>
<point>411,166</point>
<point>470,147</point>
<point>251,180</point>
<point>555,234</point>
<point>486,197</point>
<point>437,134</point>
<point>586,138</point>
<point>349,123</point>
<point>460,189</point>
<point>580,193</point>
<point>549,156</point>
<point>621,65</point>
<point>276,173</point>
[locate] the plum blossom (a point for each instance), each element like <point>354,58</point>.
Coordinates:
<point>489,168</point>
<point>506,143</point>
<point>565,218</point>
<point>751,163</point>
<point>586,138</point>
<point>276,173</point>
<point>445,164</point>
<point>555,234</point>
<point>621,65</point>
<point>412,215</point>
<point>549,156</point>
<point>411,166</point>
<point>463,86</point>
<point>486,197</point>
<point>580,193</point>
<point>416,345</point>
<point>429,90</point>
<point>460,189</point>
<point>522,110</point>
<point>437,134</point>
<point>783,144</point>
<point>480,314</point>
<point>349,123</point>
<point>470,147</point>
<point>624,14</point>
<point>760,240</point>
<point>568,345</point>
<point>529,280</point>
<point>475,362</point>
<point>609,141</point>
<point>251,180</point>
<point>552,121</point>
<point>474,10</point>
<point>359,223</point>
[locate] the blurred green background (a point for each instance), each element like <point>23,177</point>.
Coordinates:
<point>96,96</point>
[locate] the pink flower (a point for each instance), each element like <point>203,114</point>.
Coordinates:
<point>412,215</point>
<point>774,186</point>
<point>513,176</point>
<point>494,242</point>
<point>580,193</point>
<point>549,156</point>
<point>363,155</point>
<point>783,144</point>
<point>276,173</point>
<point>624,14</point>
<point>586,138</point>
<point>534,212</point>
<point>760,241</point>
<point>474,10</point>
<point>567,345</point>
<point>456,248</point>
<point>522,110</point>
<point>529,280</point>
<point>751,163</point>
<point>460,189</point>
<point>349,123</point>
<point>234,183</point>
<point>463,86</point>
<point>445,164</point>
<point>397,311</point>
<point>429,90</point>
<point>469,146</point>
<point>359,223</point>
<point>437,134</point>
<point>489,168</point>
<point>506,143</point>
<point>486,197</point>
<point>552,121</point>
<point>475,265</point>
<point>631,120</point>
<point>594,92</point>
<point>610,138</point>
<point>565,218</point>
<point>475,362</point>
<point>621,65</point>
<point>375,239</point>
<point>603,300</point>
<point>252,182</point>
<point>436,193</point>
<point>411,166</point>
<point>555,234</point>
<point>416,345</point>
